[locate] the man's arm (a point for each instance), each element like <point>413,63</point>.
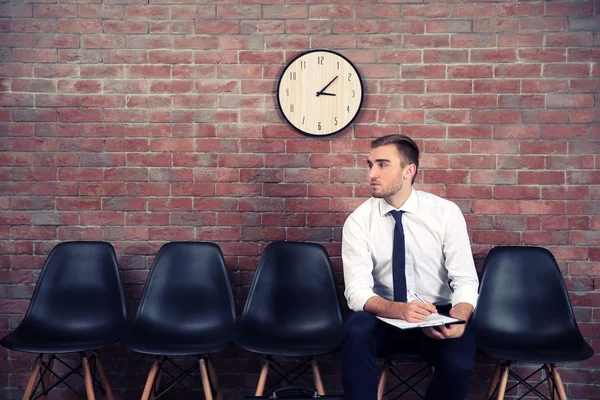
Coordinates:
<point>415,311</point>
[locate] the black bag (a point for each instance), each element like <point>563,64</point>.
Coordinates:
<point>300,394</point>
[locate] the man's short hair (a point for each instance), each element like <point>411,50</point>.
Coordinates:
<point>407,148</point>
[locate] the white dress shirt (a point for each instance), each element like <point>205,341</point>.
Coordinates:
<point>439,262</point>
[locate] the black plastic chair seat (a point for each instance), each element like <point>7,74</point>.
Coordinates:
<point>288,344</point>
<point>39,339</point>
<point>156,340</point>
<point>572,350</point>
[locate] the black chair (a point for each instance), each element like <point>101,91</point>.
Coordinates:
<point>292,310</point>
<point>407,382</point>
<point>524,314</point>
<point>186,309</point>
<point>77,307</point>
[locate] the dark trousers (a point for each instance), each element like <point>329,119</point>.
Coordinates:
<point>365,336</point>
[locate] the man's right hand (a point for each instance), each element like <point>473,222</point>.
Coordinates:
<point>416,311</point>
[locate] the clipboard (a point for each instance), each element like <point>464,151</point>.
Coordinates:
<point>432,320</point>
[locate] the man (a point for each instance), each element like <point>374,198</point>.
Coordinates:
<point>399,241</point>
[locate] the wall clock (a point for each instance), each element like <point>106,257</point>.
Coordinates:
<point>320,92</point>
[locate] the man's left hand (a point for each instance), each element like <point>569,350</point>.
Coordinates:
<point>461,311</point>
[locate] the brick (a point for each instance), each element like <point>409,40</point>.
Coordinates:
<point>543,24</point>
<point>583,177</point>
<point>521,101</point>
<point>421,41</point>
<point>496,86</point>
<point>445,56</point>
<point>520,40</point>
<point>544,116</point>
<point>569,100</point>
<point>496,25</point>
<point>520,162</point>
<point>472,40</point>
<point>494,146</point>
<point>493,55</point>
<point>583,207</point>
<point>587,238</point>
<point>584,147</point>
<point>494,177</point>
<point>567,162</point>
<point>541,207</point>
<point>473,101</point>
<point>495,116</point>
<point>566,193</point>
<point>497,237</point>
<point>542,55</point>
<point>568,132</point>
<point>564,222</point>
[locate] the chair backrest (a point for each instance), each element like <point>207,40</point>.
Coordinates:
<point>523,297</point>
<point>293,291</point>
<point>188,289</point>
<point>79,290</point>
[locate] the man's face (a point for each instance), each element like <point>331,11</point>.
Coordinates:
<point>386,171</point>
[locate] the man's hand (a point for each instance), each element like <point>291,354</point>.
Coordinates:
<point>461,311</point>
<point>416,311</point>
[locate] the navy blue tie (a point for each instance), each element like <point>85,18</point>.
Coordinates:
<point>399,258</point>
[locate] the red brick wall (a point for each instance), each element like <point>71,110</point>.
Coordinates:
<point>143,123</point>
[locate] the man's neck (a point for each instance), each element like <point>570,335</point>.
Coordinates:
<point>399,198</point>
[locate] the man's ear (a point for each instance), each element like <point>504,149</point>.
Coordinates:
<point>411,170</point>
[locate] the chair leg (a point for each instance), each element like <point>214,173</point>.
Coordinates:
<point>103,379</point>
<point>87,376</point>
<point>33,378</point>
<point>150,379</point>
<point>47,375</point>
<point>158,379</point>
<point>494,381</point>
<point>551,388</point>
<point>562,395</point>
<point>205,382</point>
<point>212,374</point>
<point>262,379</point>
<point>503,381</point>
<point>383,379</point>
<point>317,378</point>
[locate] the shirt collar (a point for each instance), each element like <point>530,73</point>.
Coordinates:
<point>411,205</point>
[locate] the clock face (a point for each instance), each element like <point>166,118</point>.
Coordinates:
<point>320,92</point>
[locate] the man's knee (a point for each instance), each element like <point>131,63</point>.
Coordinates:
<point>360,325</point>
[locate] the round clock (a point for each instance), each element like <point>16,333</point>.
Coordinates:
<point>320,92</point>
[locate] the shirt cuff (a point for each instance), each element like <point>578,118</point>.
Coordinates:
<point>465,295</point>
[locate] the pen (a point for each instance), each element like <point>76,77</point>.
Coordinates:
<point>416,296</point>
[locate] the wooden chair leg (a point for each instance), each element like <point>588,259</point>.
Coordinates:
<point>383,379</point>
<point>262,379</point>
<point>494,381</point>
<point>503,381</point>
<point>551,389</point>
<point>48,374</point>
<point>562,394</point>
<point>317,378</point>
<point>150,380</point>
<point>103,379</point>
<point>158,378</point>
<point>33,378</point>
<point>205,382</point>
<point>87,376</point>
<point>212,375</point>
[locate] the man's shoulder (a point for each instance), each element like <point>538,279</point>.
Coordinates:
<point>431,200</point>
<point>364,210</point>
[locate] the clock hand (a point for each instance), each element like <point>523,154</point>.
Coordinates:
<point>326,86</point>
<point>328,94</point>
